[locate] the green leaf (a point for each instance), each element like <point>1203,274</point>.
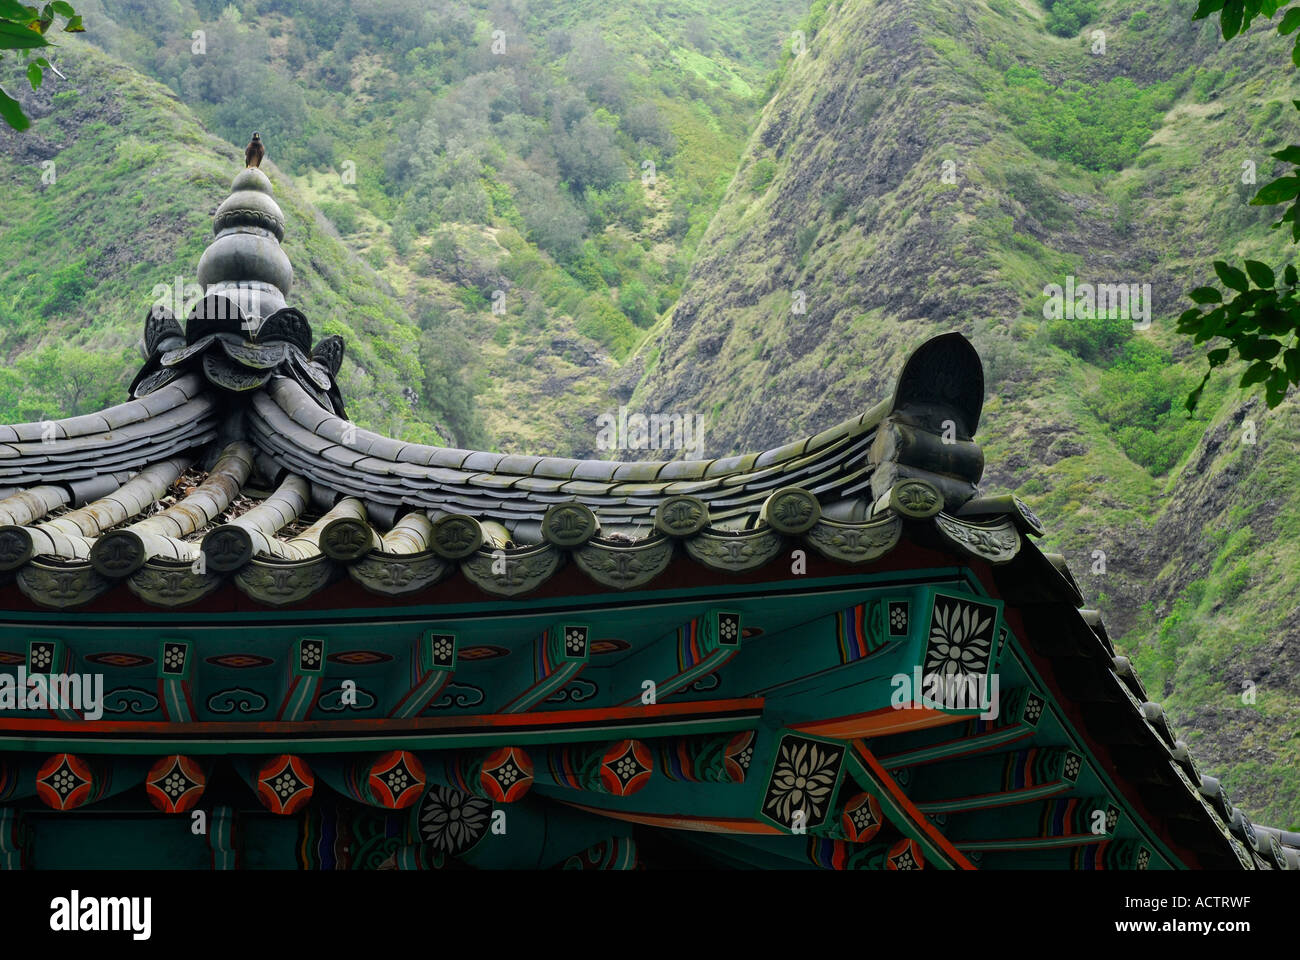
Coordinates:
<point>1279,191</point>
<point>1218,357</point>
<point>1261,274</point>
<point>1206,295</point>
<point>1231,277</point>
<point>1291,360</point>
<point>1207,7</point>
<point>74,25</point>
<point>13,10</point>
<point>1290,275</point>
<point>1276,388</point>
<point>1256,373</point>
<point>15,37</point>
<point>1230,18</point>
<point>1254,348</point>
<point>62,8</point>
<point>1194,397</point>
<point>12,112</point>
<point>34,75</point>
<point>1290,154</point>
<point>1290,20</point>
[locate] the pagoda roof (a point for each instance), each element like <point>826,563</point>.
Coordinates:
<point>241,394</point>
<point>234,461</point>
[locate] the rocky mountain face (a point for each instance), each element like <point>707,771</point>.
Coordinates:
<point>934,165</point>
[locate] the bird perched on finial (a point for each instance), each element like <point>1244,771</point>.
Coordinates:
<point>254,152</point>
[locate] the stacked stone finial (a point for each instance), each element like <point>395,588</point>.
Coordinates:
<point>245,262</point>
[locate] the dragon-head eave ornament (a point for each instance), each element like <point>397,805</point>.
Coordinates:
<point>238,353</point>
<point>241,334</point>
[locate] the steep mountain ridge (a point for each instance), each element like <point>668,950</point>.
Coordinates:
<point>935,164</point>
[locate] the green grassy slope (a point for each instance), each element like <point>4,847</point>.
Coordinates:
<point>934,165</point>
<point>476,152</point>
<point>135,181</point>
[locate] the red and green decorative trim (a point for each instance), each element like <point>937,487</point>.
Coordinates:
<point>175,784</point>
<point>306,670</point>
<point>433,661</point>
<point>702,646</point>
<point>716,759</point>
<point>860,630</point>
<point>559,654</point>
<point>285,784</point>
<point>620,769</point>
<point>66,781</point>
<point>502,774</point>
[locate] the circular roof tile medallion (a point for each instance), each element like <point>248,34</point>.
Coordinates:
<point>118,554</point>
<point>915,498</point>
<point>15,547</point>
<point>904,855</point>
<point>347,538</point>
<point>285,784</point>
<point>456,536</point>
<point>396,780</point>
<point>681,516</point>
<point>862,818</point>
<point>506,775</point>
<point>625,768</point>
<point>65,782</point>
<point>175,783</point>
<point>792,510</point>
<point>569,524</point>
<point>227,548</point>
<point>1031,518</point>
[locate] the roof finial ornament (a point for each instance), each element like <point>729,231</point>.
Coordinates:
<point>254,152</point>
<point>245,262</point>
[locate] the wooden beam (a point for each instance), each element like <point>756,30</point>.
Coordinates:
<point>559,655</point>
<point>393,780</point>
<point>708,759</point>
<point>696,649</point>
<point>620,768</point>
<point>433,661</point>
<point>502,775</point>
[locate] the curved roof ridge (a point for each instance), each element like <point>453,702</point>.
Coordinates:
<point>108,420</point>
<point>290,397</point>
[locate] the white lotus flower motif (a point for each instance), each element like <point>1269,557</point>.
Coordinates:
<point>960,639</point>
<point>453,821</point>
<point>803,779</point>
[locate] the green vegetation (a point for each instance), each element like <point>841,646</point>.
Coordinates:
<point>1115,167</point>
<point>124,207</point>
<point>1065,18</point>
<point>1261,320</point>
<point>1099,126</point>
<point>580,146</point>
<point>24,28</point>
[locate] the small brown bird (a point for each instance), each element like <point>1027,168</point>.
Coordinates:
<point>254,152</point>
